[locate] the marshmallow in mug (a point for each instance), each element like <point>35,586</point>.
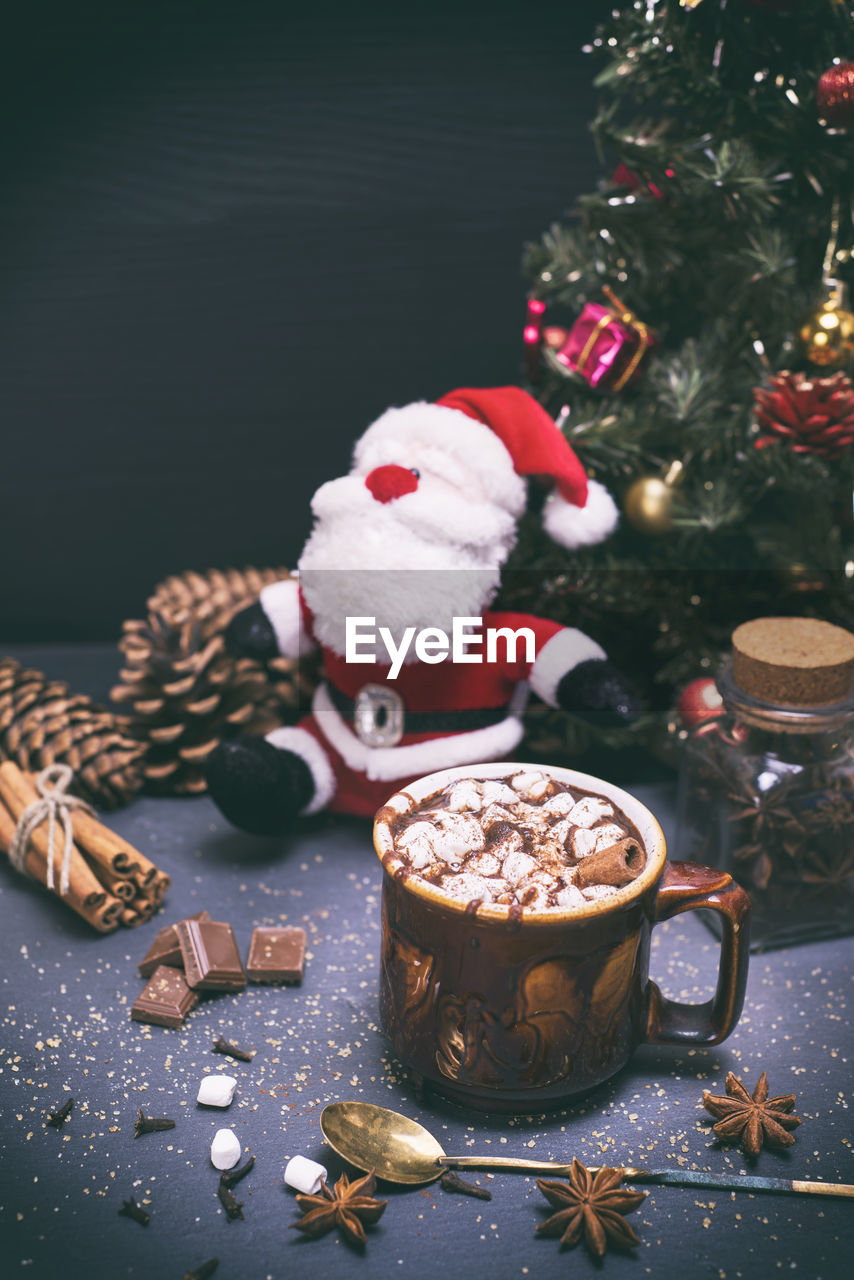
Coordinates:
<point>517,841</point>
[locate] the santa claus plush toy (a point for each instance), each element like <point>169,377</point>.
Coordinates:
<point>411,540</point>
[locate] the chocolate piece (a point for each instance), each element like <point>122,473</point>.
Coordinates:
<point>211,959</point>
<point>165,949</point>
<point>276,954</point>
<point>165,1000</point>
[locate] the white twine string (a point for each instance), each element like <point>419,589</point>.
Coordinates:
<point>54,804</point>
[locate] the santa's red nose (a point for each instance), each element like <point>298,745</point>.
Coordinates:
<point>388,483</point>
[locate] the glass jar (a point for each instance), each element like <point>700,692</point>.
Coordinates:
<point>767,793</point>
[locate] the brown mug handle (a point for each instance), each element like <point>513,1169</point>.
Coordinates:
<point>686,886</point>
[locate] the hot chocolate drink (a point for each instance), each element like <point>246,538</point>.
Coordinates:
<point>525,842</point>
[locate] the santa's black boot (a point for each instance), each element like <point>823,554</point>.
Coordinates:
<point>259,788</point>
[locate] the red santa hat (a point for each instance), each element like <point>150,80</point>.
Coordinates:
<point>501,434</point>
<point>578,511</point>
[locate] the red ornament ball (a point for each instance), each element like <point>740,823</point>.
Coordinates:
<point>835,95</point>
<point>699,701</point>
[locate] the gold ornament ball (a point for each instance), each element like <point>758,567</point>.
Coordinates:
<point>648,505</point>
<point>828,335</point>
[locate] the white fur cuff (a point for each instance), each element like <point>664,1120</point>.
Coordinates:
<point>564,651</point>
<point>280,602</point>
<point>308,749</point>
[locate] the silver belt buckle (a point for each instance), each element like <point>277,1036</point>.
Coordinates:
<point>378,716</point>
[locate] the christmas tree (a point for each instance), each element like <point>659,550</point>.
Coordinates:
<point>689,329</point>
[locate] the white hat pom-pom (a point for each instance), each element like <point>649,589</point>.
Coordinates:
<point>574,526</point>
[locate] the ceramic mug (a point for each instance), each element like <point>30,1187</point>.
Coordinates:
<point>518,1015</point>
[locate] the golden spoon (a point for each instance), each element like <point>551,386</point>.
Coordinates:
<point>401,1150</point>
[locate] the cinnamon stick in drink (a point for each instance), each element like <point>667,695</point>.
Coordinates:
<point>619,864</point>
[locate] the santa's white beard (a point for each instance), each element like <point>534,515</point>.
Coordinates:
<point>408,563</point>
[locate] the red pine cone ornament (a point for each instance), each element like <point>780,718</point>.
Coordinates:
<point>813,415</point>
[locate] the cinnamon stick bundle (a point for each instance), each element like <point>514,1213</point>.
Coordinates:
<point>110,882</point>
<point>619,864</point>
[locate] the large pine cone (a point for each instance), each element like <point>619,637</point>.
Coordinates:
<point>185,692</point>
<point>813,415</point>
<point>42,723</point>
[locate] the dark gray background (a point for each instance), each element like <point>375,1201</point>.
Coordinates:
<point>65,1027</point>
<point>230,236</point>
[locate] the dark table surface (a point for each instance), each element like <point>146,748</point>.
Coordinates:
<point>66,1029</point>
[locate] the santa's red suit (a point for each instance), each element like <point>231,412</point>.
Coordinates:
<point>433,716</point>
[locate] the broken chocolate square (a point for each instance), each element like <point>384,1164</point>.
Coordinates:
<point>211,959</point>
<point>165,949</point>
<point>165,1000</point>
<point>276,954</point>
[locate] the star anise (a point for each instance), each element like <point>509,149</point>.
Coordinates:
<point>348,1206</point>
<point>591,1205</point>
<point>755,1120</point>
<point>823,869</point>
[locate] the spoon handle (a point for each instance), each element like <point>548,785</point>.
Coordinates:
<point>665,1177</point>
<point>504,1162</point>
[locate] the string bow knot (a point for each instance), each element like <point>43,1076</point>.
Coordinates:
<point>55,805</point>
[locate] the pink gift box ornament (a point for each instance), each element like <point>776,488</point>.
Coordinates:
<point>605,345</point>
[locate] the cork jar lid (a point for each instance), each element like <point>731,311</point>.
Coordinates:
<point>793,661</point>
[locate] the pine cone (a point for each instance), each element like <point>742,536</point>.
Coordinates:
<point>41,723</point>
<point>814,415</point>
<point>186,691</point>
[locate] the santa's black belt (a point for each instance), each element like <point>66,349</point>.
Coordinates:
<point>460,721</point>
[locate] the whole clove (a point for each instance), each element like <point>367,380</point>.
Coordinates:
<point>151,1124</point>
<point>232,1176</point>
<point>57,1118</point>
<point>204,1271</point>
<point>233,1207</point>
<point>452,1181</point>
<point>221,1045</point>
<point>130,1209</point>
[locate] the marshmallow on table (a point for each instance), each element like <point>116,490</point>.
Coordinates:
<point>225,1149</point>
<point>216,1091</point>
<point>305,1175</point>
